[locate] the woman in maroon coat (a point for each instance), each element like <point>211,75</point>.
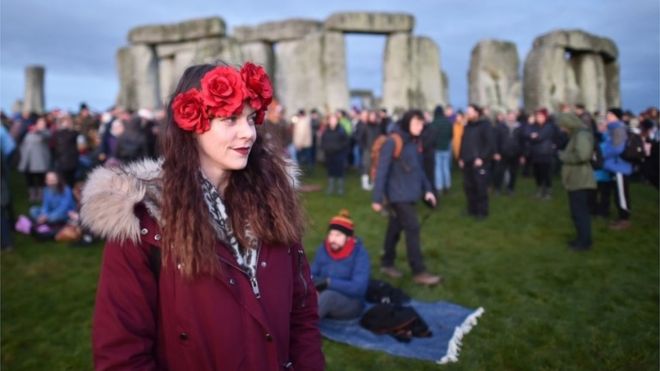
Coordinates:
<point>203,269</point>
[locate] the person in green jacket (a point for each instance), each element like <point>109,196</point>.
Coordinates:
<point>577,175</point>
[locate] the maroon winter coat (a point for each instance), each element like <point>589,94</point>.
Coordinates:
<point>145,322</point>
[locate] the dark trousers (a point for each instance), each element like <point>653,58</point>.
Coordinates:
<point>543,175</point>
<point>599,199</point>
<point>403,218</point>
<point>620,187</point>
<point>475,185</point>
<point>35,180</point>
<point>499,168</point>
<point>579,206</point>
<point>511,165</point>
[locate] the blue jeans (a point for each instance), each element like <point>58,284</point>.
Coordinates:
<point>442,170</point>
<point>339,306</point>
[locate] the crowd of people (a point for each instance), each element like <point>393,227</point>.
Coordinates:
<point>491,148</point>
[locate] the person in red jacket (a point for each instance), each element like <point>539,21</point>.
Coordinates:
<point>203,267</point>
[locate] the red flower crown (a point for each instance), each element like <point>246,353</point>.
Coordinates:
<point>224,90</point>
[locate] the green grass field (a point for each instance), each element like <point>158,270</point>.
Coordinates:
<point>547,308</point>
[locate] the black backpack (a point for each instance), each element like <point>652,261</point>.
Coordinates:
<point>398,321</point>
<point>634,149</point>
<point>383,292</point>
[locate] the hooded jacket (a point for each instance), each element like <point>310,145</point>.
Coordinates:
<point>576,171</point>
<point>148,321</point>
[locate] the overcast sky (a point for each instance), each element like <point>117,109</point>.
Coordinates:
<point>77,40</point>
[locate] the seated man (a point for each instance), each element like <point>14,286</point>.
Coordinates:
<point>341,271</point>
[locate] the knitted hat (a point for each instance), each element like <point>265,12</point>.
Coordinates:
<point>342,223</point>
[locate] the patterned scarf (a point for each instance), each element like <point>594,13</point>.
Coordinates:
<point>245,257</point>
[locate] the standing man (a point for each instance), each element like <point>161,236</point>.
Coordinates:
<point>577,176</point>
<point>400,181</point>
<point>443,130</point>
<point>613,147</point>
<point>475,150</point>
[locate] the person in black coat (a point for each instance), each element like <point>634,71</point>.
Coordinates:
<point>476,149</point>
<point>65,141</point>
<point>335,145</point>
<point>543,136</point>
<point>510,149</point>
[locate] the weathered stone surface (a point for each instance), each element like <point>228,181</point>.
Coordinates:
<point>548,79</point>
<point>613,88</point>
<point>570,67</point>
<point>493,75</point>
<point>167,78</point>
<point>290,29</point>
<point>411,73</point>
<point>445,86</point>
<point>311,73</point>
<point>176,57</point>
<point>578,40</point>
<point>177,32</point>
<point>34,99</point>
<point>590,74</point>
<point>370,22</point>
<point>260,53</point>
<point>139,79</point>
<point>366,98</point>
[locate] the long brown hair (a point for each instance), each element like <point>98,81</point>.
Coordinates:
<point>261,196</point>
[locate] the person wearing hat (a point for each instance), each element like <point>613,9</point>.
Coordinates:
<point>341,270</point>
<point>577,175</point>
<point>613,147</point>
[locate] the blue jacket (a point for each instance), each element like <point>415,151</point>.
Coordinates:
<point>56,206</point>
<point>349,276</point>
<point>613,146</point>
<point>402,179</point>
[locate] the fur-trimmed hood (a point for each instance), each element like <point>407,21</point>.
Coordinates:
<point>111,194</point>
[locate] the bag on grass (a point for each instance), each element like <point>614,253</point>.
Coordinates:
<point>401,322</point>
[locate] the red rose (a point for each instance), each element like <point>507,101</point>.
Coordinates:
<point>258,86</point>
<point>189,111</point>
<point>223,91</point>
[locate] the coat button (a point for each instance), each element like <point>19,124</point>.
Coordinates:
<point>263,264</point>
<point>269,337</point>
<point>183,336</point>
<point>231,281</point>
<point>144,231</point>
<point>157,237</point>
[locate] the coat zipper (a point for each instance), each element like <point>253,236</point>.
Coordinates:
<point>302,278</point>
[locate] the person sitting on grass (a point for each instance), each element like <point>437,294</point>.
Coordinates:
<point>341,271</point>
<point>57,202</point>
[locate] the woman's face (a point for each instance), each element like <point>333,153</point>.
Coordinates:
<point>227,145</point>
<point>416,126</point>
<point>51,179</point>
<point>332,121</point>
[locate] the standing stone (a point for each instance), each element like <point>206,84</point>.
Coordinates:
<point>590,74</point>
<point>260,53</point>
<point>34,99</point>
<point>311,73</point>
<point>411,73</point>
<point>370,22</point>
<point>493,76</point>
<point>549,79</point>
<point>334,71</point>
<point>613,82</point>
<point>445,86</point>
<point>139,80</point>
<point>426,76</point>
<point>397,72</point>
<point>571,66</point>
<point>166,78</point>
